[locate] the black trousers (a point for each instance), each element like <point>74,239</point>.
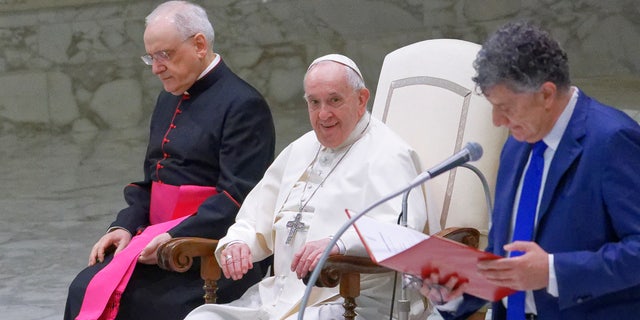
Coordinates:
<point>153,293</point>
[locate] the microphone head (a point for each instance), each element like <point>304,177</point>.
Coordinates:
<point>475,150</point>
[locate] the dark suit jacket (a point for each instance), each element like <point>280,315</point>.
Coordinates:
<point>223,136</point>
<point>589,216</point>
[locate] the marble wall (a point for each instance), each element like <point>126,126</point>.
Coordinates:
<point>75,98</point>
<point>73,66</point>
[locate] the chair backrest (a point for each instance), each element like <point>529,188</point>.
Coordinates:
<point>426,95</point>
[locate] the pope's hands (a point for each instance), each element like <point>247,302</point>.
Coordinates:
<point>118,238</point>
<point>235,260</point>
<point>306,259</point>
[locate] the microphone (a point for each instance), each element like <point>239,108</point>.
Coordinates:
<point>472,151</point>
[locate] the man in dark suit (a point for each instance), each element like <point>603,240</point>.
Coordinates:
<point>581,257</point>
<point>211,139</point>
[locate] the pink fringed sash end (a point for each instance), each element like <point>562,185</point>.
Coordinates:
<point>170,205</point>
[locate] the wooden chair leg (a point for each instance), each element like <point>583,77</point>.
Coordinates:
<point>210,288</point>
<point>178,255</point>
<point>210,272</point>
<point>477,316</point>
<point>350,290</point>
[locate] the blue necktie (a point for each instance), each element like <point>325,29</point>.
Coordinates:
<point>525,219</point>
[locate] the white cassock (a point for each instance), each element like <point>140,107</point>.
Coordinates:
<point>320,183</point>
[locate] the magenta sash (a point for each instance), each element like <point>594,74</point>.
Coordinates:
<point>172,202</point>
<point>169,206</point>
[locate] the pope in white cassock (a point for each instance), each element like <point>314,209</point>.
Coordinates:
<point>349,161</point>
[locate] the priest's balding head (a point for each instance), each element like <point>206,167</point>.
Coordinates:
<point>336,98</point>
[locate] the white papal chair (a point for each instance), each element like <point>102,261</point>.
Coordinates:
<point>426,95</point>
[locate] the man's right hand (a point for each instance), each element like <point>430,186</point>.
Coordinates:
<point>235,260</point>
<point>119,238</point>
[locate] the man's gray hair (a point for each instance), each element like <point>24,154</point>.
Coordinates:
<point>354,79</point>
<point>522,57</point>
<point>188,18</point>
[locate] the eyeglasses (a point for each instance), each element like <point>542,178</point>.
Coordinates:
<point>161,56</point>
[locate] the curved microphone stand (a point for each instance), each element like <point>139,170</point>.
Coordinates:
<point>316,272</point>
<point>404,305</point>
<point>471,152</point>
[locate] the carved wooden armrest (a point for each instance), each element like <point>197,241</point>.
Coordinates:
<point>177,255</point>
<point>337,266</point>
<point>346,270</point>
<point>464,235</point>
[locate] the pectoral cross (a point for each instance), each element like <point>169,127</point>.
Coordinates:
<point>295,225</point>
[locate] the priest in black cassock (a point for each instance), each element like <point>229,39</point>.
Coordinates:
<point>211,139</point>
